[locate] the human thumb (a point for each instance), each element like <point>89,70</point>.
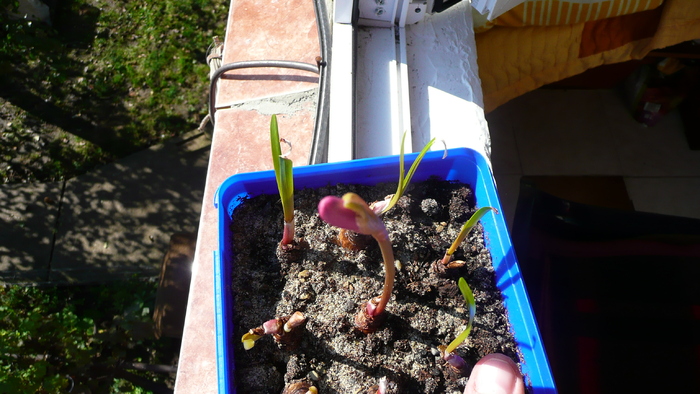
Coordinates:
<point>495,374</point>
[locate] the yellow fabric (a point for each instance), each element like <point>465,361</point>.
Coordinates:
<point>480,22</point>
<point>513,61</point>
<point>566,12</point>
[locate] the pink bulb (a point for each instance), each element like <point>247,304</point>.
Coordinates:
<point>272,327</point>
<point>371,308</point>
<point>332,210</point>
<point>455,361</point>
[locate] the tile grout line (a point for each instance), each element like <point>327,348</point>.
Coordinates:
<point>55,230</point>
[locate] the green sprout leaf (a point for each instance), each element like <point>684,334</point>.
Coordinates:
<point>404,181</point>
<point>471,304</point>
<point>283,172</point>
<point>285,182</point>
<point>465,231</point>
<point>249,339</point>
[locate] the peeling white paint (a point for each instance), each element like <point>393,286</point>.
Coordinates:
<point>445,89</point>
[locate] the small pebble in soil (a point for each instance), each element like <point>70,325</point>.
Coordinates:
<point>430,207</point>
<point>440,227</point>
<point>304,274</point>
<point>306,295</point>
<point>349,306</point>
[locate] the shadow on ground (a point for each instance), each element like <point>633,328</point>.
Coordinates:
<point>107,224</point>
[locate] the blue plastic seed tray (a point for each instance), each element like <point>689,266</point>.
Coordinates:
<point>462,164</point>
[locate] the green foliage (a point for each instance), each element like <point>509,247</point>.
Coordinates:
<point>32,319</point>
<point>283,172</point>
<point>471,304</point>
<point>405,180</point>
<point>466,227</point>
<point>137,70</point>
<point>11,5</point>
<point>49,334</point>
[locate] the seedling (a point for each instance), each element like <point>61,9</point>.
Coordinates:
<point>454,361</point>
<point>464,232</point>
<point>353,241</point>
<point>285,182</point>
<point>286,331</point>
<point>352,213</point>
<point>404,179</point>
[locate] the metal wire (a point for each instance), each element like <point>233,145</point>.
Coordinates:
<point>251,64</point>
<point>319,141</point>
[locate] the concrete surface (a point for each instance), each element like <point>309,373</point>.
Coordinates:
<point>112,222</point>
<point>28,215</point>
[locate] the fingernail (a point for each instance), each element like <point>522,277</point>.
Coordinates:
<point>495,377</point>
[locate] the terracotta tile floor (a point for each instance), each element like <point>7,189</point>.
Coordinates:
<point>282,30</point>
<point>279,30</point>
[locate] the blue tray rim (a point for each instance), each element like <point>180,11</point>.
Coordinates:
<point>535,365</point>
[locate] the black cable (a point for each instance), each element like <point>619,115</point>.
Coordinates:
<point>251,64</point>
<point>319,141</point>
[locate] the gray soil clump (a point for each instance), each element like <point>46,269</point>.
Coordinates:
<point>329,283</point>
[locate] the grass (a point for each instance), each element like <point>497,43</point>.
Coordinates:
<point>106,79</point>
<point>55,338</point>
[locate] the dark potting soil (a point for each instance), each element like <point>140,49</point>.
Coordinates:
<point>329,283</point>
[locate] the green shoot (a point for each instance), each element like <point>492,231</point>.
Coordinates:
<point>404,181</point>
<point>471,304</point>
<point>465,231</point>
<point>285,182</point>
